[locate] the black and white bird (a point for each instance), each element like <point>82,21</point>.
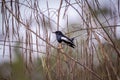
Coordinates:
<point>62,38</point>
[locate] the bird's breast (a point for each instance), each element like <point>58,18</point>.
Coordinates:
<point>59,39</point>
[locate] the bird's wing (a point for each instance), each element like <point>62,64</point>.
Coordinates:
<point>66,39</point>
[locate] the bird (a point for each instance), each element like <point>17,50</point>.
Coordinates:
<point>62,38</point>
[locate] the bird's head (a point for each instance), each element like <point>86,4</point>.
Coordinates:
<point>58,33</point>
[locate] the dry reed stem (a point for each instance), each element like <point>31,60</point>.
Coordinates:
<point>87,47</point>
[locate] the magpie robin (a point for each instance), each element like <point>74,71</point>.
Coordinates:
<point>62,38</point>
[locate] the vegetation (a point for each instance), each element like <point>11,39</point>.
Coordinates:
<point>26,37</point>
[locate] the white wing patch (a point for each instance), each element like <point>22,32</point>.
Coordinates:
<point>65,39</point>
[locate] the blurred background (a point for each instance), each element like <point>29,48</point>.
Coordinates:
<point>29,50</point>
